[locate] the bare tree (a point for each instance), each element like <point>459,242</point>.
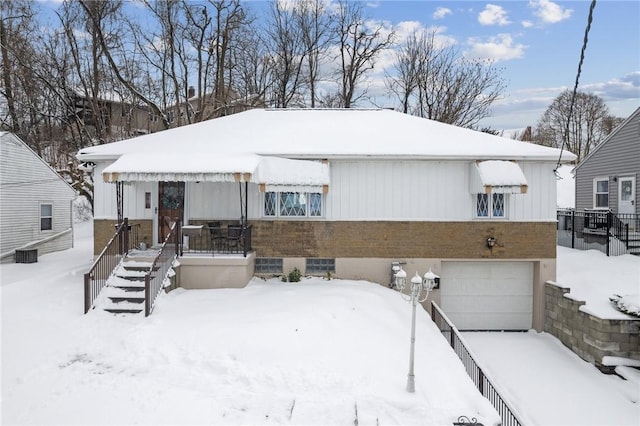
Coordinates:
<point>588,125</point>
<point>314,21</point>
<point>16,23</point>
<point>359,45</point>
<point>288,51</point>
<point>433,80</point>
<point>405,76</point>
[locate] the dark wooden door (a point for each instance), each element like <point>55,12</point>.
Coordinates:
<point>170,206</point>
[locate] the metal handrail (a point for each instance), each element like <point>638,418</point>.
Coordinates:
<point>105,263</point>
<point>479,377</point>
<point>153,283</point>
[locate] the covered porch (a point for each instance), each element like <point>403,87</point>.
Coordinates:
<point>211,198</point>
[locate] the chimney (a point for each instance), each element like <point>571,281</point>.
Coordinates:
<point>191,92</point>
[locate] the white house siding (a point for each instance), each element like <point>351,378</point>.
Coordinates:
<point>26,181</point>
<point>427,190</point>
<point>359,190</point>
<point>132,194</point>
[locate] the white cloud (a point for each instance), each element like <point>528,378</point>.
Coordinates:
<point>626,87</point>
<point>441,12</point>
<point>498,48</point>
<point>549,12</point>
<point>527,24</point>
<point>493,15</point>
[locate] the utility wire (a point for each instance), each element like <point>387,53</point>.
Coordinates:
<point>575,87</point>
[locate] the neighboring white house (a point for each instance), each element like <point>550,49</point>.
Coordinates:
<point>349,192</point>
<point>36,204</point>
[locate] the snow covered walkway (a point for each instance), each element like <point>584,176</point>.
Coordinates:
<point>549,385</point>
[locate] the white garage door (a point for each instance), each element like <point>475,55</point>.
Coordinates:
<point>487,295</point>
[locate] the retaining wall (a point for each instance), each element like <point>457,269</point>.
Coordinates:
<point>590,337</point>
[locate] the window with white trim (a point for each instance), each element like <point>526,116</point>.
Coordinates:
<point>601,193</point>
<point>491,205</point>
<point>293,204</point>
<point>46,217</point>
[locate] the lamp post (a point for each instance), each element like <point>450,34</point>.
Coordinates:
<point>418,285</point>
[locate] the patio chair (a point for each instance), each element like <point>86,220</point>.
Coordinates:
<point>215,234</point>
<point>234,237</point>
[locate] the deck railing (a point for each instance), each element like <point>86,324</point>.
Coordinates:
<point>124,239</point>
<point>154,279</point>
<point>218,239</point>
<point>480,379</point>
<point>611,233</point>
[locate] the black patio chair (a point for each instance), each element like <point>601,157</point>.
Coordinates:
<point>234,237</point>
<point>215,233</point>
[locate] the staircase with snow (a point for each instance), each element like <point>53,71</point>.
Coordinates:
<point>124,291</point>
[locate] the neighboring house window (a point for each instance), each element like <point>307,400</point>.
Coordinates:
<point>601,193</point>
<point>46,217</point>
<point>293,204</point>
<point>490,205</point>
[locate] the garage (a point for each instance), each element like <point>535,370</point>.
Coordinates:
<point>488,295</point>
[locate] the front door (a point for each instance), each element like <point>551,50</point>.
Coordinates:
<point>170,206</point>
<point>626,195</point>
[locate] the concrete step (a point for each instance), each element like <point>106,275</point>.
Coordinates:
<point>124,307</point>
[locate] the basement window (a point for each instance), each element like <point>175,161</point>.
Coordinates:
<point>268,265</point>
<point>320,266</point>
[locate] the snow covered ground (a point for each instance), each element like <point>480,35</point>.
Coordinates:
<point>316,352</point>
<point>547,384</point>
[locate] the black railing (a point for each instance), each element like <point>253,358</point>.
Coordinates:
<point>124,239</point>
<point>214,238</point>
<point>480,379</point>
<point>611,233</point>
<point>154,279</point>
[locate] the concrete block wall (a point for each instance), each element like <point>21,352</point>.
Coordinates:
<point>590,337</point>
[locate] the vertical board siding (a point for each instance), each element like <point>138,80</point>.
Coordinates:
<point>428,190</point>
<point>26,181</point>
<point>359,190</point>
<point>619,155</point>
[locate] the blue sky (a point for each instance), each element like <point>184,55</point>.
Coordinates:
<point>538,43</point>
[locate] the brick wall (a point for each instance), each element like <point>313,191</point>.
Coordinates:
<point>103,230</point>
<point>591,338</point>
<point>442,240</point>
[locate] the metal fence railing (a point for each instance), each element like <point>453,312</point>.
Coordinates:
<point>480,379</point>
<point>124,239</point>
<point>154,279</point>
<point>611,233</point>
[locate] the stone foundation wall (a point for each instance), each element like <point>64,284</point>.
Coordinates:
<point>589,337</point>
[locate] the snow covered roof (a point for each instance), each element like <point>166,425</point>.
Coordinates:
<point>327,133</point>
<point>498,176</point>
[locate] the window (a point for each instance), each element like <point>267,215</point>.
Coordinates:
<point>268,265</point>
<point>320,266</point>
<point>601,193</point>
<point>46,217</point>
<point>293,204</point>
<point>490,205</point>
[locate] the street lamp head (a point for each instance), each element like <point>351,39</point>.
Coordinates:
<point>429,280</point>
<point>401,278</point>
<point>416,279</point>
